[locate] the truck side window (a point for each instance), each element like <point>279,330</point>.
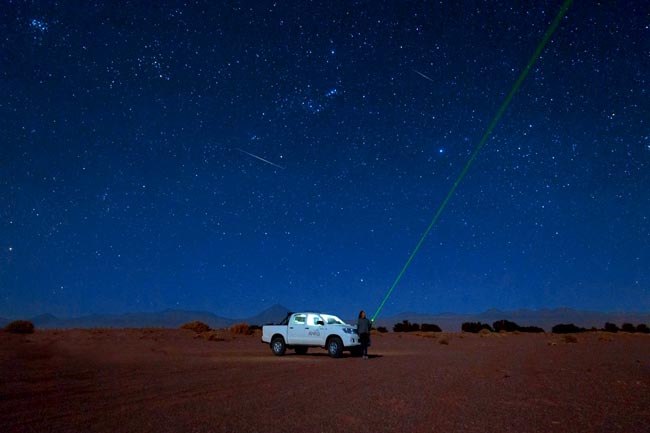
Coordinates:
<point>314,319</point>
<point>299,319</point>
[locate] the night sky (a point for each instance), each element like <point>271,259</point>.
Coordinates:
<point>228,156</point>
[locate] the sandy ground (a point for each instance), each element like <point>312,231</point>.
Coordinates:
<point>150,380</point>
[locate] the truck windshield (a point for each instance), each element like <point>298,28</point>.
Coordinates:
<point>332,320</point>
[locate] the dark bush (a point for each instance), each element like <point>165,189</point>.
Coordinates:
<point>382,329</point>
<point>628,327</point>
<point>240,328</point>
<point>20,327</point>
<point>508,326</point>
<point>642,328</point>
<point>564,328</point>
<point>505,325</point>
<point>406,326</point>
<point>196,326</point>
<point>429,327</point>
<point>475,327</point>
<point>610,327</point>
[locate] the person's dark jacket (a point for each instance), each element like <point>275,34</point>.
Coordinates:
<point>363,326</point>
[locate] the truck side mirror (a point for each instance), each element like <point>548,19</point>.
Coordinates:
<point>320,322</point>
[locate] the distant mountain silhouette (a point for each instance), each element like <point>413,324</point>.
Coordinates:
<point>545,319</point>
<point>44,320</point>
<point>274,314</point>
<point>164,319</point>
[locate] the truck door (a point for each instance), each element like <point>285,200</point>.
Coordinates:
<point>315,330</point>
<point>297,329</point>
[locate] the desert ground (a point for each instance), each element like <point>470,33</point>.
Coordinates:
<point>166,380</point>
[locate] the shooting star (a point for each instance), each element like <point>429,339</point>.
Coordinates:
<point>260,158</point>
<point>422,75</point>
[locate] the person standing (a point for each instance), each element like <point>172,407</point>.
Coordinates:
<point>363,329</point>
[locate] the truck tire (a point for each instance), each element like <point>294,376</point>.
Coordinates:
<point>334,347</point>
<point>301,350</point>
<point>278,346</point>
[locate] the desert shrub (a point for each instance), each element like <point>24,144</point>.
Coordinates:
<point>642,328</point>
<point>475,327</point>
<point>610,327</point>
<point>485,332</point>
<point>240,328</point>
<point>569,338</point>
<point>20,327</point>
<point>567,328</point>
<point>382,329</point>
<point>406,326</point>
<point>505,325</point>
<point>430,327</point>
<point>255,330</point>
<point>196,326</point>
<point>628,327</point>
<point>444,340</point>
<point>508,326</point>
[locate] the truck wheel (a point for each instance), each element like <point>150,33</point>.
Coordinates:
<point>334,347</point>
<point>301,350</point>
<point>278,347</point>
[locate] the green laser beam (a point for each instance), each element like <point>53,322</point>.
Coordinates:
<point>484,138</point>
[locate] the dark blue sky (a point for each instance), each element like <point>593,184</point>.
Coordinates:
<point>227,156</point>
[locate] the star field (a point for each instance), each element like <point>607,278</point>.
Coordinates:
<point>227,156</point>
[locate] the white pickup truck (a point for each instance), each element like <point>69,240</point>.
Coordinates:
<point>300,331</point>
